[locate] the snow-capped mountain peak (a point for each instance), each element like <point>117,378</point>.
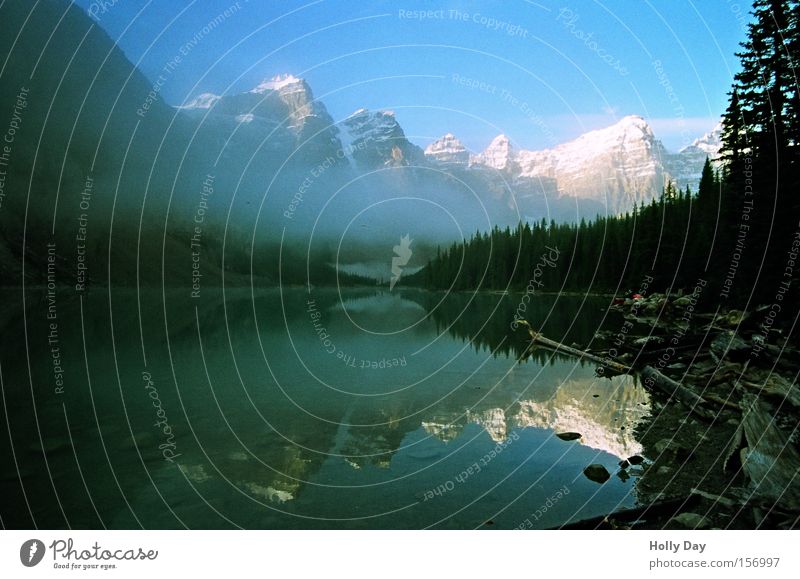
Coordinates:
<point>709,143</point>
<point>616,167</point>
<point>447,149</point>
<point>687,164</point>
<point>498,155</point>
<point>375,139</point>
<point>632,122</point>
<point>205,100</point>
<point>276,83</point>
<point>500,141</point>
<point>375,125</point>
<point>632,128</point>
<point>282,107</point>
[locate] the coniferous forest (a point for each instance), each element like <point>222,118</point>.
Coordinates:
<point>670,239</point>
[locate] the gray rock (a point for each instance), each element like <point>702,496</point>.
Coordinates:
<point>667,446</point>
<point>597,473</point>
<point>568,435</point>
<point>730,345</point>
<point>690,521</point>
<point>664,445</point>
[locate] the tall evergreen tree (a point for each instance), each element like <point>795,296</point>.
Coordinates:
<point>759,146</point>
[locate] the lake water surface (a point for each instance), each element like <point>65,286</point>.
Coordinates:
<point>297,409</point>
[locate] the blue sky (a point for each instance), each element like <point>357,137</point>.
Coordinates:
<point>540,71</point>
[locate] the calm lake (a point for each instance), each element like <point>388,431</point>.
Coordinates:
<point>306,409</point>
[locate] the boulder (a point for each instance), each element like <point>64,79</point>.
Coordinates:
<point>690,521</point>
<point>568,435</point>
<point>597,473</point>
<point>730,345</point>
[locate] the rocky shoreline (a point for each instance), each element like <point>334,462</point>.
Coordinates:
<point>721,443</point>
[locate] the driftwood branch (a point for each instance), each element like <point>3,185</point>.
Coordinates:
<point>650,375</point>
<point>539,339</point>
<point>777,387</point>
<point>721,401</point>
<point>697,404</point>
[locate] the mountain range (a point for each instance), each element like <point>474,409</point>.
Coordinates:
<point>614,168</point>
<point>618,167</point>
<point>622,165</point>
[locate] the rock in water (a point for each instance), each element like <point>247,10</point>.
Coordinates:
<point>596,473</point>
<point>568,435</point>
<point>635,459</point>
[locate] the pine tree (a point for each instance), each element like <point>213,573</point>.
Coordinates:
<point>759,144</point>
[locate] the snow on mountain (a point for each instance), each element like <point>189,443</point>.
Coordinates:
<point>374,139</point>
<point>498,155</point>
<point>447,150</point>
<point>619,166</point>
<point>687,165</point>
<point>281,110</point>
<point>709,143</point>
<point>616,167</point>
<point>277,83</point>
<point>203,101</point>
<point>622,165</point>
<point>570,409</point>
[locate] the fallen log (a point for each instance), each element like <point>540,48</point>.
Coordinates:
<point>723,376</point>
<point>672,349</point>
<point>717,499</point>
<point>697,404</point>
<point>664,509</point>
<point>776,387</point>
<point>650,375</point>
<point>721,401</point>
<point>539,339</point>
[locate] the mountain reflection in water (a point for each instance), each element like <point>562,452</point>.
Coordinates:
<point>322,409</point>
